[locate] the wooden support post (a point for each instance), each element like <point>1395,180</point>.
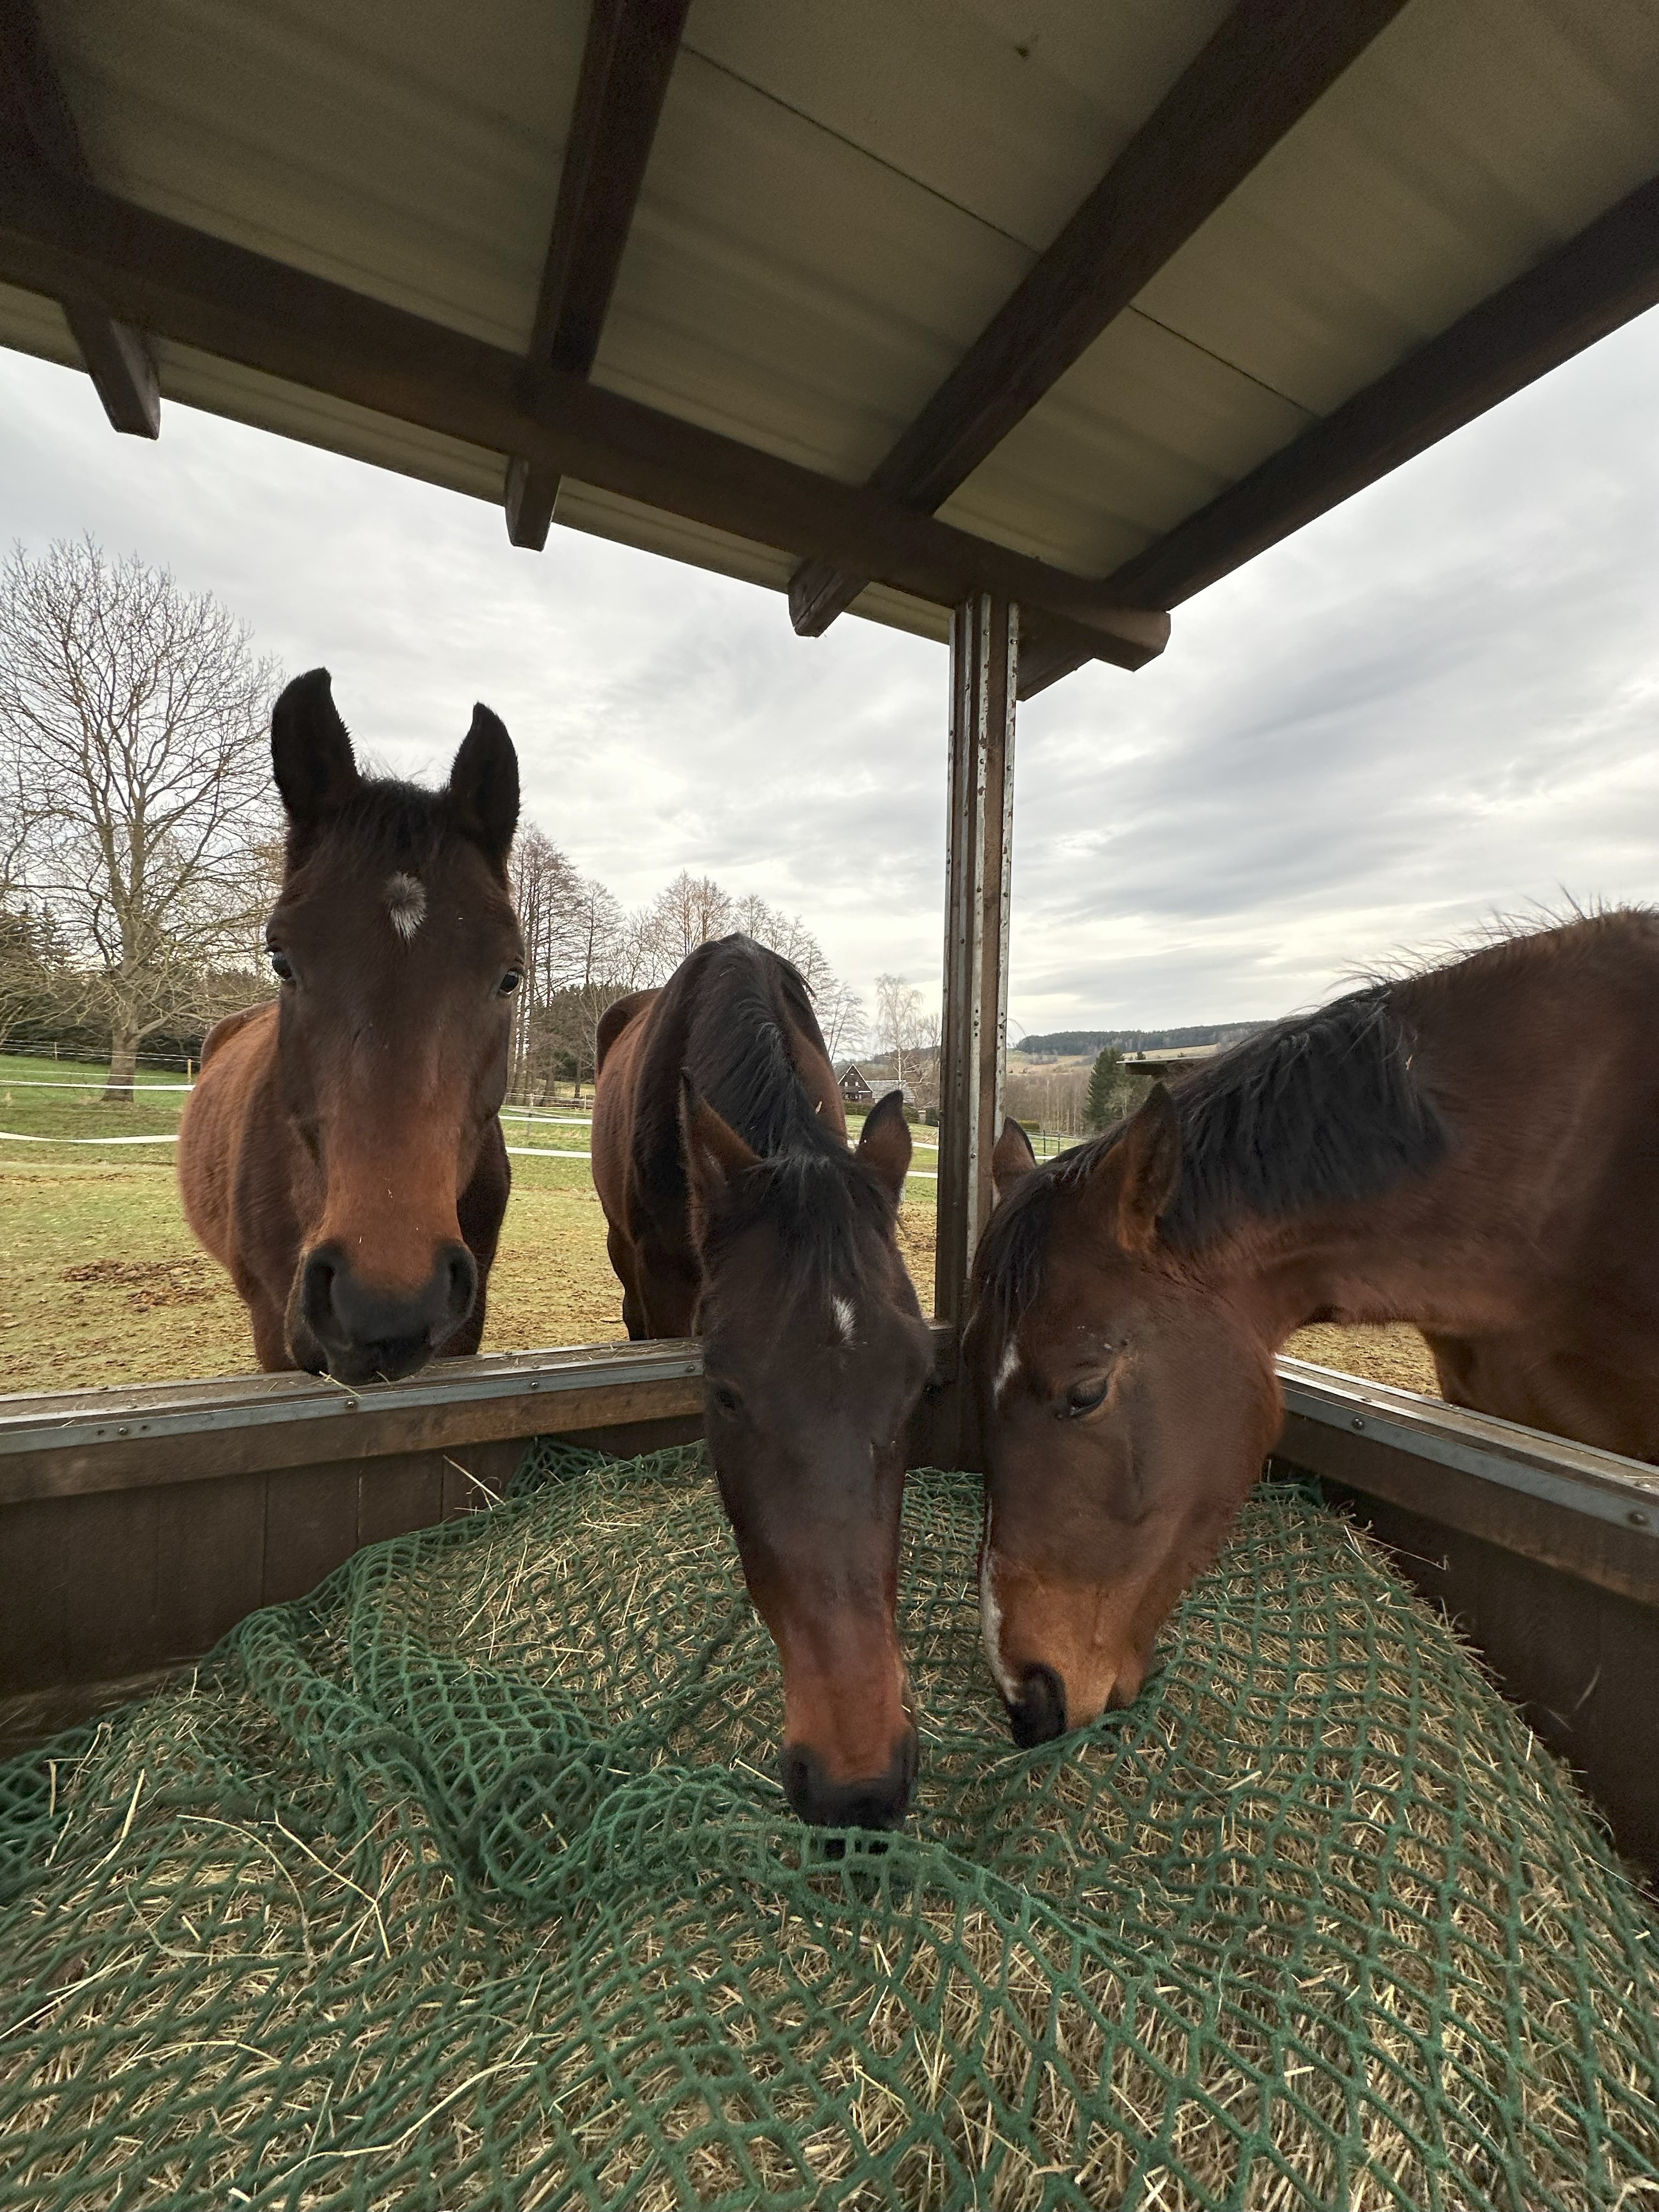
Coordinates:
<point>974,1051</point>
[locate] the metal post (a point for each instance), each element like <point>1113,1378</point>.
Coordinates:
<point>974,1048</point>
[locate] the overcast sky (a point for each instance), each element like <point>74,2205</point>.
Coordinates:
<point>1438,702</point>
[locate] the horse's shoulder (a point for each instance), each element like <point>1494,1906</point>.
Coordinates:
<point>615,1019</point>
<point>232,1025</point>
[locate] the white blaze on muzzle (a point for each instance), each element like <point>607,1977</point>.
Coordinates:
<point>990,1618</point>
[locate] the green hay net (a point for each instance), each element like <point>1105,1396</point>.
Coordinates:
<point>466,1882</point>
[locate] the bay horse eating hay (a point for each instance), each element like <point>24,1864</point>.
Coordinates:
<point>737,1210</point>
<point>1474,1149</point>
<point>341,1153</point>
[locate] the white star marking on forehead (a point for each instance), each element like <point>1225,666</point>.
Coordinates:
<point>845,1317</point>
<point>405,902</point>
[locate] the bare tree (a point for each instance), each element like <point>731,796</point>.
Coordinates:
<point>901,1028</point>
<point>544,890</point>
<point>786,935</point>
<point>841,1017</point>
<point>1054,1097</point>
<point>600,947</point>
<point>133,714</point>
<point>924,1061</point>
<point>685,915</point>
<point>35,977</point>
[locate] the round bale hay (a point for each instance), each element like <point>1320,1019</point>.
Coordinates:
<point>466,1882</point>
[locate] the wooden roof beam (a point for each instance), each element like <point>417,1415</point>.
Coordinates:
<point>37,128</point>
<point>626,65</point>
<point>198,291</point>
<point>1262,72</point>
<point>1579,293</point>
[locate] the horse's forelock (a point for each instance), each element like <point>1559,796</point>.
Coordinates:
<point>1009,1263</point>
<point>829,1216</point>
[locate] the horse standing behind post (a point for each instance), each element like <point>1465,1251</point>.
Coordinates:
<point>341,1153</point>
<point>1474,1149</point>
<point>736,1209</point>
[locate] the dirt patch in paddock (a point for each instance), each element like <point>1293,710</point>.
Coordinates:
<point>150,1284</point>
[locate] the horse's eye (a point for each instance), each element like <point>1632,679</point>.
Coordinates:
<point>282,966</point>
<point>509,982</point>
<point>725,1397</point>
<point>1083,1397</point>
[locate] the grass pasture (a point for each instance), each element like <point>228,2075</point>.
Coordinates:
<point>102,1284</point>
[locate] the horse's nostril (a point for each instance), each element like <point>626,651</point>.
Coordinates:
<point>462,1283</point>
<point>317,1288</point>
<point>1038,1713</point>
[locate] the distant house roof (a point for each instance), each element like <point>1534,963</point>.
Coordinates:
<point>865,1082</point>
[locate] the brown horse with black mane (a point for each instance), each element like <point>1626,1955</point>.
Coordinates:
<point>1474,1149</point>
<point>342,1152</point>
<point>737,1210</point>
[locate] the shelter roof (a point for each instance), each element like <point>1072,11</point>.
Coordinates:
<point>1122,292</point>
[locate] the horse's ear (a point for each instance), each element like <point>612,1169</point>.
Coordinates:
<point>715,1156</point>
<point>885,1144</point>
<point>484,786</point>
<point>1136,1179</point>
<point>1011,1157</point>
<point>311,753</point>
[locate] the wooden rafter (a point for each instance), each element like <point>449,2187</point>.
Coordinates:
<point>203,291</point>
<point>1587,287</point>
<point>1598,280</point>
<point>626,66</point>
<point>1266,65</point>
<point>42,148</point>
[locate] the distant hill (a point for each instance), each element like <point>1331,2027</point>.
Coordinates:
<point>1061,1044</point>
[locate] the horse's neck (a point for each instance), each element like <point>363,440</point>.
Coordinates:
<point>1448,1276</point>
<point>1455,1250</point>
<point>1544,1079</point>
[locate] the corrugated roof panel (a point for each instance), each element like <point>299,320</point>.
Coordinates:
<point>780,286</point>
<point>1460,148</point>
<point>808,288</point>
<point>404,147</point>
<point>1466,143</point>
<point>1011,110</point>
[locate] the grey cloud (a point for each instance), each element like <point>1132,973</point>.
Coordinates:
<point>1438,702</point>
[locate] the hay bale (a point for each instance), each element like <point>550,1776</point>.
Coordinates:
<point>466,1881</point>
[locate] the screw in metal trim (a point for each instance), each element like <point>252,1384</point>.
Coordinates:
<point>1358,1422</point>
<point>1637,1517</point>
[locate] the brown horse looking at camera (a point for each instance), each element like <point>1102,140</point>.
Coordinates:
<point>737,1210</point>
<point>1472,1149</point>
<point>341,1153</point>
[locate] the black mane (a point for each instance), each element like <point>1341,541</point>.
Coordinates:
<point>737,1051</point>
<point>1319,1110</point>
<point>729,1007</point>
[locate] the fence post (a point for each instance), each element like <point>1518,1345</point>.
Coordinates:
<point>973,1050</point>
